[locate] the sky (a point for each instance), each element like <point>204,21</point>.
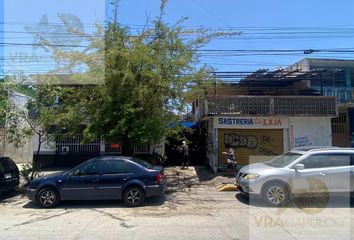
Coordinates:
<point>23,18</point>
<point>273,33</point>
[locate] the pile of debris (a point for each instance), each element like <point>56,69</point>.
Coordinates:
<point>198,176</point>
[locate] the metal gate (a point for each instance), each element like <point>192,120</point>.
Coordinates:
<point>248,142</point>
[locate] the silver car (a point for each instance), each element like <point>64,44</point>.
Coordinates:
<point>299,172</point>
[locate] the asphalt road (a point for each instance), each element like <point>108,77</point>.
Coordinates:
<point>192,209</point>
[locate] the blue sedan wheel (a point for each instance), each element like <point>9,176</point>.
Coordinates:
<point>134,196</point>
<point>48,197</point>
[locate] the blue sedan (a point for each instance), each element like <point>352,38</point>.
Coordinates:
<point>101,178</point>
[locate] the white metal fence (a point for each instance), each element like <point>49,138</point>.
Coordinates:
<point>75,146</point>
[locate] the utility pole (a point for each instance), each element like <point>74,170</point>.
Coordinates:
<point>115,3</point>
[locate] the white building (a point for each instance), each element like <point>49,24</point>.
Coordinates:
<point>261,127</point>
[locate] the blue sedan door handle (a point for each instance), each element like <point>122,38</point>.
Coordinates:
<point>95,180</point>
<point>126,178</point>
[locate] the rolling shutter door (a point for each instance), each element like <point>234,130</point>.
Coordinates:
<point>248,142</point>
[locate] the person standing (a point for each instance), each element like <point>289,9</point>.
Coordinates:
<point>185,154</point>
<point>230,159</point>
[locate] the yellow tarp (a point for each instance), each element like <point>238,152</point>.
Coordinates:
<point>228,187</point>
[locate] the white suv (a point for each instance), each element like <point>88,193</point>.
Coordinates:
<point>301,171</point>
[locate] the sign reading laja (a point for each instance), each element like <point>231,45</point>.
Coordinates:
<point>236,122</point>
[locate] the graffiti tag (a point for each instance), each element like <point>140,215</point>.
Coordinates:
<point>239,141</point>
<point>302,141</point>
<point>267,140</point>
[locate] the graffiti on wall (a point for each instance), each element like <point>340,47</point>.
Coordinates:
<point>267,140</point>
<point>258,142</point>
<point>239,141</point>
<point>302,141</point>
<point>264,144</point>
<point>266,148</point>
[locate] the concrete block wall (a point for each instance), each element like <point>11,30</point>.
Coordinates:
<point>23,154</point>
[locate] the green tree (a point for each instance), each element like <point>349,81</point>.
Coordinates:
<point>28,116</point>
<point>148,78</point>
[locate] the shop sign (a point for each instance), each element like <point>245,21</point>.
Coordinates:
<point>115,145</point>
<point>249,122</point>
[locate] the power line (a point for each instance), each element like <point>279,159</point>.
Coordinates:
<point>40,45</point>
<point>14,23</point>
<point>208,51</point>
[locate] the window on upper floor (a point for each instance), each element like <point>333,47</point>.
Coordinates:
<point>352,77</point>
<point>331,78</point>
<point>339,79</point>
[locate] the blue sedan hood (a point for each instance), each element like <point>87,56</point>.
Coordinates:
<point>51,176</point>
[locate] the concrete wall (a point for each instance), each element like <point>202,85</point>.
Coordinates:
<point>47,147</point>
<point>23,154</point>
<point>302,65</point>
<point>2,141</point>
<point>212,146</point>
<point>306,131</point>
